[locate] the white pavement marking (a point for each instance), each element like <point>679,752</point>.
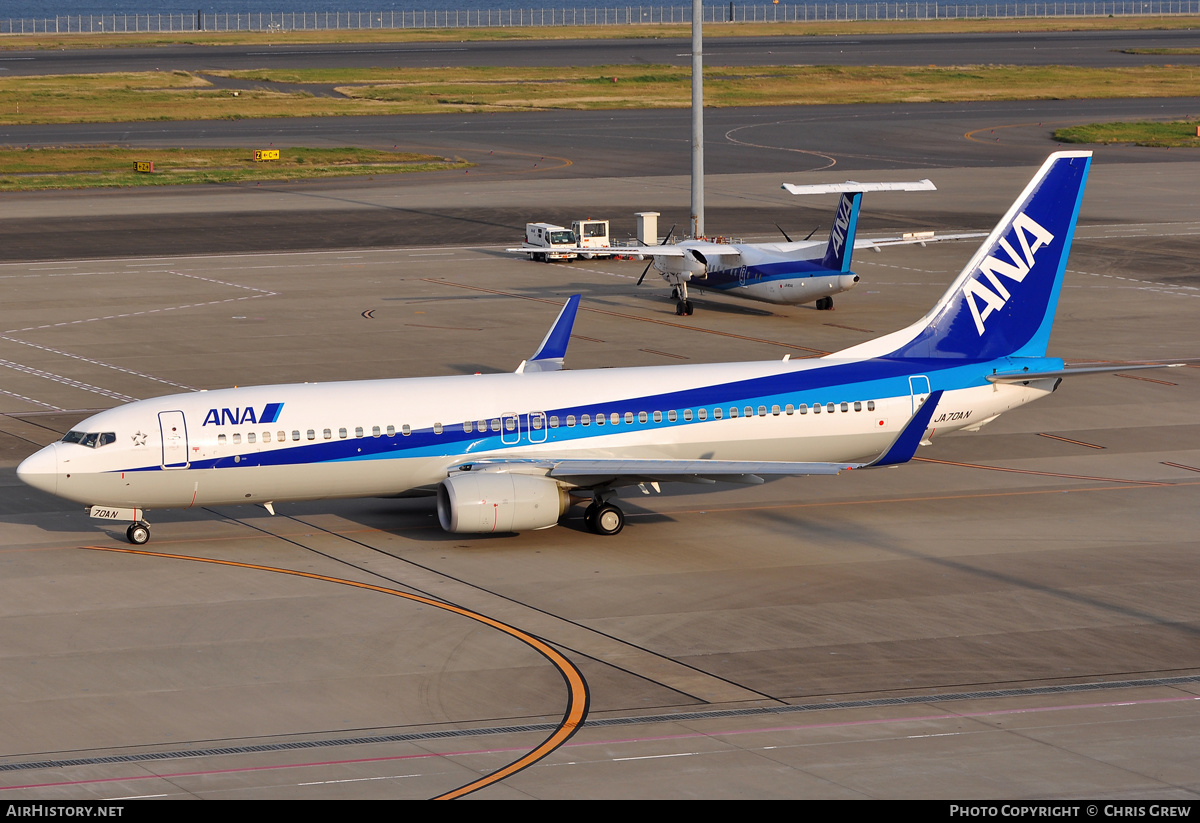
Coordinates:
<point>58,378</point>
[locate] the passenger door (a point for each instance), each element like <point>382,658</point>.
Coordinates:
<point>174,439</point>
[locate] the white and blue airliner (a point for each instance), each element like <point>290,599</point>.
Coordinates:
<point>789,273</point>
<point>511,452</point>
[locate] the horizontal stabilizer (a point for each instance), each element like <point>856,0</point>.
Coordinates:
<point>851,187</point>
<point>1025,376</point>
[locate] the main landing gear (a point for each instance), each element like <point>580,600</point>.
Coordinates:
<point>138,533</point>
<point>824,304</point>
<point>604,518</point>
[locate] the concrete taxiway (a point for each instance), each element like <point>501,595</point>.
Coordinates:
<point>1012,615</point>
<point>1079,48</point>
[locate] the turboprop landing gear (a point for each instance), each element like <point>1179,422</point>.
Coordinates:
<point>138,533</point>
<point>683,306</point>
<point>825,304</point>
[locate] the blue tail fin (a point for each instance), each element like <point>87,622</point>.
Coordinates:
<point>841,234</point>
<point>1003,302</point>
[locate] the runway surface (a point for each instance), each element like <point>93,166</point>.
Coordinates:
<point>1078,48</point>
<point>1021,599</point>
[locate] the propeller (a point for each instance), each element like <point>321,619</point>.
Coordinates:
<point>784,233</point>
<point>651,263</point>
<point>811,233</point>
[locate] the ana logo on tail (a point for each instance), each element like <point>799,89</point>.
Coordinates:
<point>1031,237</point>
<point>840,223</point>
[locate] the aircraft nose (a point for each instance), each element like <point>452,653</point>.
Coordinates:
<point>40,469</point>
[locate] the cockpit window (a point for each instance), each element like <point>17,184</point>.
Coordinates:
<point>93,440</point>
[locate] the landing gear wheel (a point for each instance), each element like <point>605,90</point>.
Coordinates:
<point>825,304</point>
<point>606,519</point>
<point>687,307</point>
<point>675,294</point>
<point>138,534</point>
<point>680,309</point>
<point>589,515</point>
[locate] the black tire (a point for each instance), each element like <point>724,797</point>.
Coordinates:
<point>608,520</point>
<point>825,304</point>
<point>680,309</point>
<point>138,534</point>
<point>687,307</point>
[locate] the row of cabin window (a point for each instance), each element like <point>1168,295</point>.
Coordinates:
<point>326,434</point>
<point>614,418</point>
<point>535,421</point>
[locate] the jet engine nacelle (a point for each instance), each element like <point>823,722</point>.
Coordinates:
<point>486,502</point>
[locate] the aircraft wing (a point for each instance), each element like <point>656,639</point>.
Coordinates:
<point>669,250</point>
<point>590,473</point>
<point>630,472</point>
<point>609,472</point>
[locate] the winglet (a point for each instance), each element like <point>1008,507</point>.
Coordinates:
<point>550,355</point>
<point>905,446</point>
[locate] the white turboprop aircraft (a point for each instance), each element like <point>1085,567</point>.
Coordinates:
<point>510,452</point>
<point>789,273</point>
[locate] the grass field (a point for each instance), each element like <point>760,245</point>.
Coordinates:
<point>1180,134</point>
<point>97,166</point>
<point>184,96</point>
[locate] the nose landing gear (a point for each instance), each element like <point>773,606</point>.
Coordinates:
<point>683,306</point>
<point>138,533</point>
